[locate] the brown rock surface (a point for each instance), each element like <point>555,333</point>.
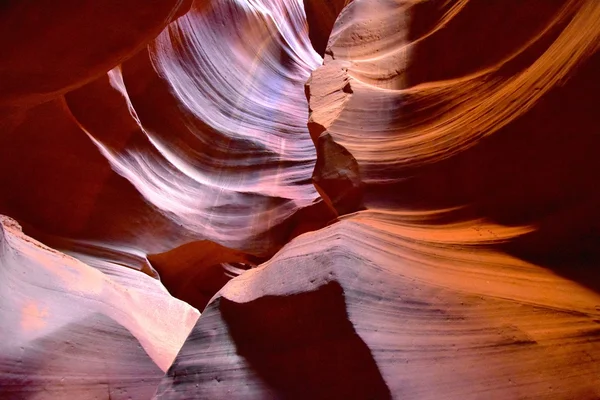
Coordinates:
<point>52,47</point>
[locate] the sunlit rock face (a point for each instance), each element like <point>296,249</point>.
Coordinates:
<point>373,307</point>
<point>212,145</point>
<point>222,146</point>
<point>80,330</point>
<point>366,200</point>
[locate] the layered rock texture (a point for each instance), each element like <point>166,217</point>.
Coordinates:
<point>285,199</point>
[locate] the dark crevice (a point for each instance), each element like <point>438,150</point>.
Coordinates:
<point>196,271</point>
<point>330,360</point>
<point>321,16</point>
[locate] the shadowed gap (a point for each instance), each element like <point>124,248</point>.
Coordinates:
<point>304,345</point>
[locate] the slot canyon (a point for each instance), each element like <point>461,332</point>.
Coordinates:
<point>299,199</point>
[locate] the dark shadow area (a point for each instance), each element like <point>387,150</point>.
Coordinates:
<point>321,16</point>
<point>456,51</point>
<point>579,266</point>
<point>304,345</point>
<point>566,241</point>
<point>195,272</point>
<point>337,176</point>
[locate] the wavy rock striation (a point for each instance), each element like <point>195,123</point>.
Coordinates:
<point>371,308</point>
<point>451,157</point>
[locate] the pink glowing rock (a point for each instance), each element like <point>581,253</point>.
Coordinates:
<point>75,330</point>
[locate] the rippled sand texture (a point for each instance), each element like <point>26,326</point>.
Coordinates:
<point>366,199</point>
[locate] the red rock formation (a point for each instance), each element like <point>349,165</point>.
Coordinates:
<point>412,216</point>
<point>52,47</point>
<point>424,273</point>
<point>196,271</point>
<point>513,124</point>
<point>439,317</point>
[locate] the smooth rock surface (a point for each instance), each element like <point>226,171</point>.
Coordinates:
<point>375,306</point>
<point>81,331</point>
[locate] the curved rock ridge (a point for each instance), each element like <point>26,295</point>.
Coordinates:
<point>75,330</point>
<point>165,121</point>
<point>505,135</point>
<point>429,316</point>
<point>221,145</point>
<point>65,193</point>
<point>412,113</point>
<point>445,165</point>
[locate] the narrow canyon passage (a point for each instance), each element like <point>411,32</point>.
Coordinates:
<point>297,199</point>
